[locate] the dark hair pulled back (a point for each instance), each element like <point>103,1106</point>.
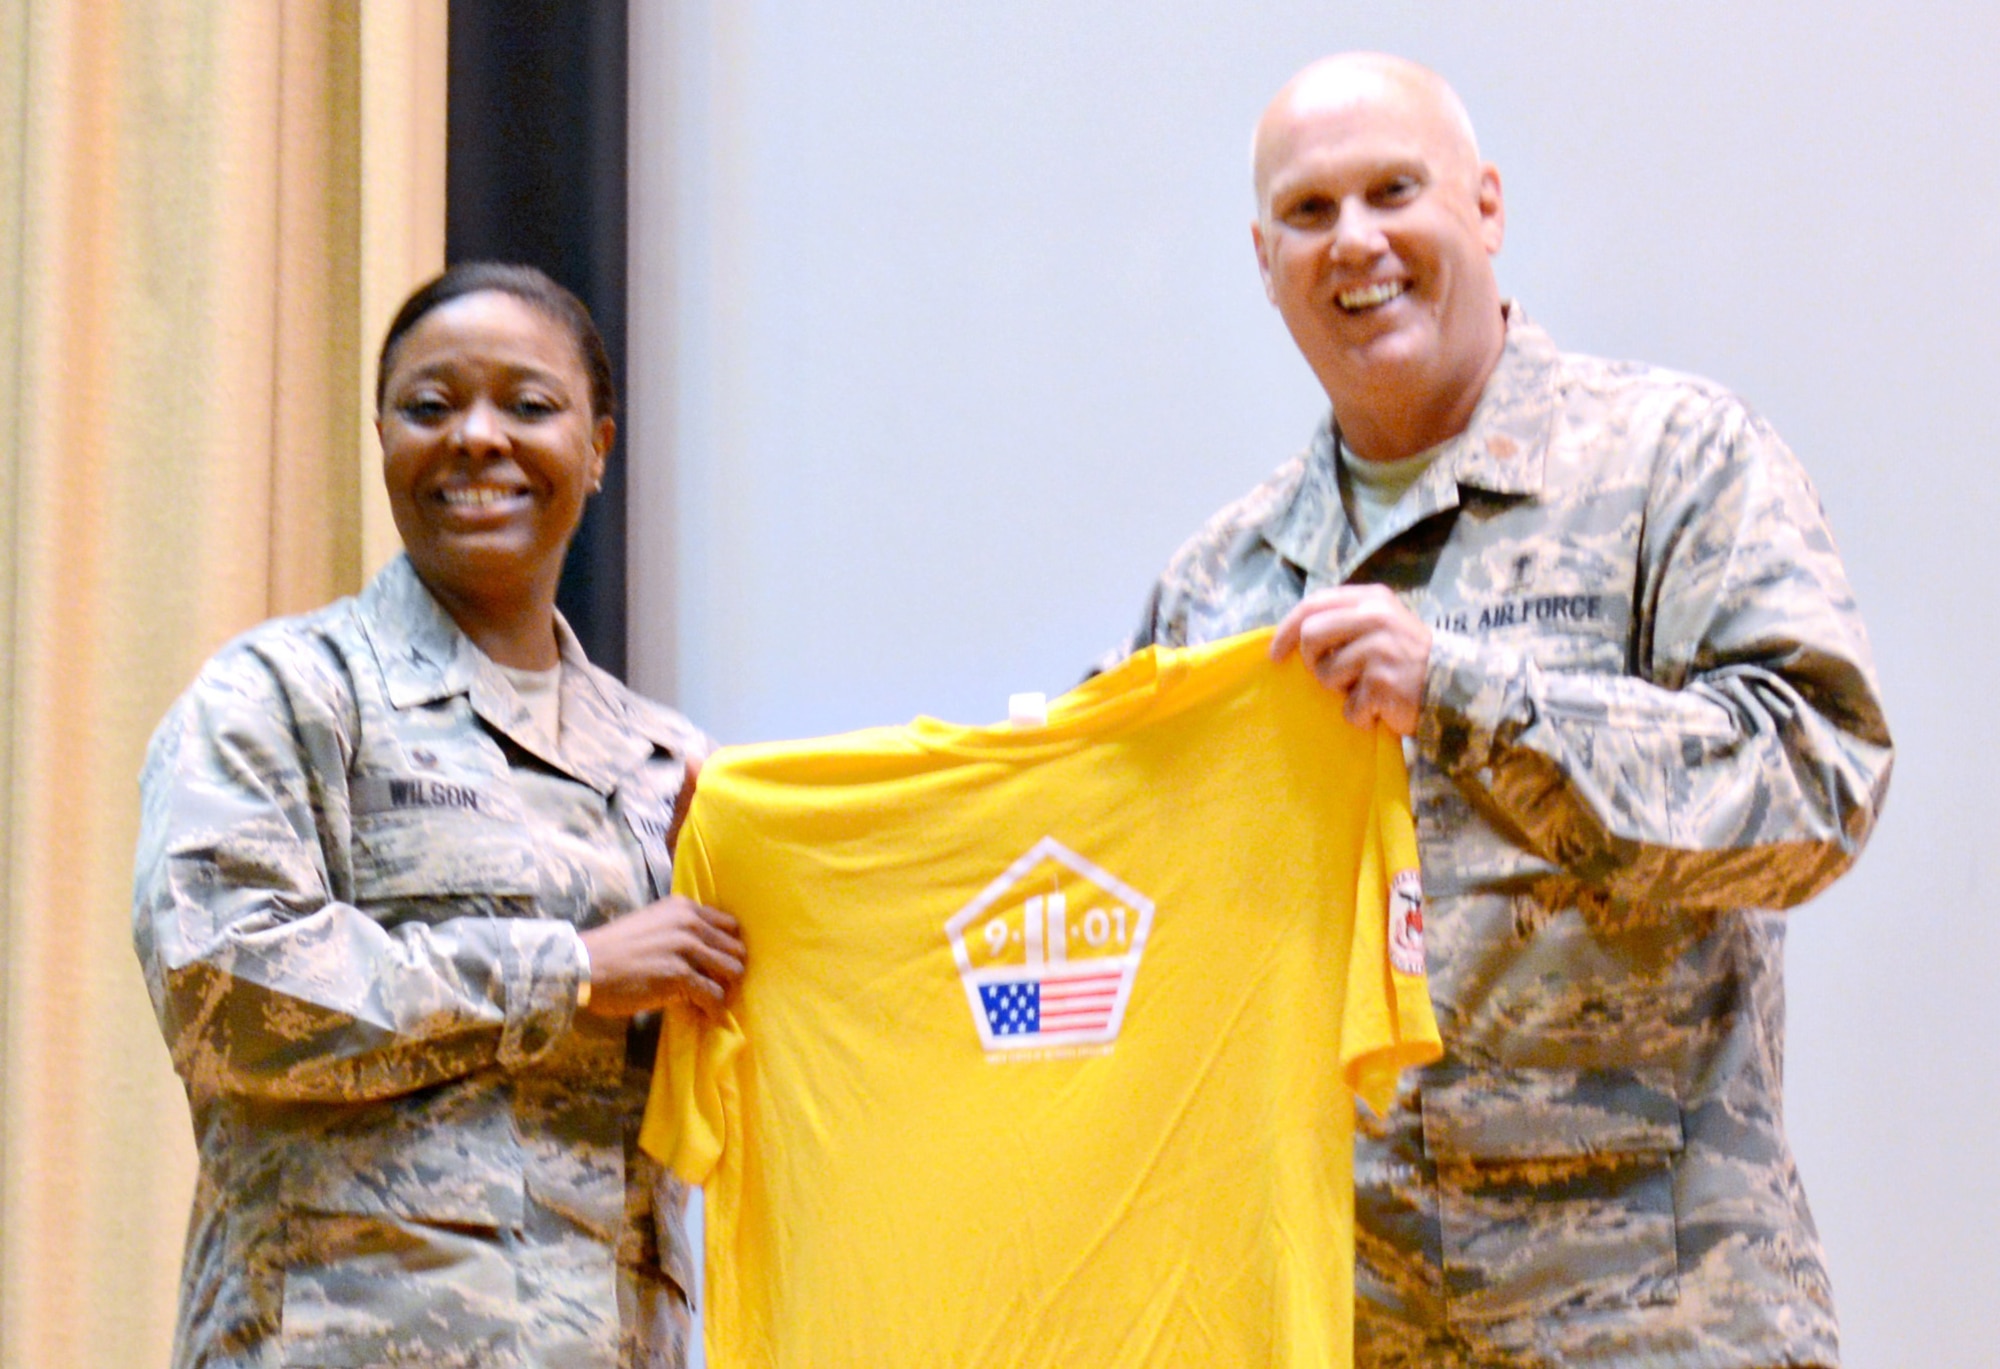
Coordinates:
<point>525,283</point>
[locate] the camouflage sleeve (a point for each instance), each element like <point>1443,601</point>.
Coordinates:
<point>1226,578</point>
<point>266,983</point>
<point>1743,762</point>
<point>1148,633</point>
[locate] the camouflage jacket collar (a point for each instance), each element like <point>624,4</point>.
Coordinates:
<point>605,737</point>
<point>425,658</point>
<point>423,655</point>
<point>1500,453</point>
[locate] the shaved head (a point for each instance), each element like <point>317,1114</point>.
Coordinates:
<point>1348,77</point>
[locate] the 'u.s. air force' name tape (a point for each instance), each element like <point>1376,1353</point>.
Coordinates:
<point>1534,608</point>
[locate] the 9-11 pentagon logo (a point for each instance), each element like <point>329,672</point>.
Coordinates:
<point>1049,950</point>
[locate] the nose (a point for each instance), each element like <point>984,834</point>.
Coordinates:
<point>1357,233</point>
<point>479,428</point>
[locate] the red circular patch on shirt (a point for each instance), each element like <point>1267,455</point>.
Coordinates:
<point>1406,922</point>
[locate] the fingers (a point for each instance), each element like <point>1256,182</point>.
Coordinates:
<point>1370,704</point>
<point>672,949</point>
<point>717,951</point>
<point>1328,619</point>
<point>1345,671</point>
<point>1361,642</point>
<point>701,990</point>
<point>708,945</point>
<point>712,921</point>
<point>710,927</point>
<point>1285,638</point>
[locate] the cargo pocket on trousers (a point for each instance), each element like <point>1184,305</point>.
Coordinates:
<point>373,1289</point>
<point>1555,1190</point>
<point>401,1236</point>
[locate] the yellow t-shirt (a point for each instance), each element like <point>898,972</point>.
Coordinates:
<point>1045,1048</point>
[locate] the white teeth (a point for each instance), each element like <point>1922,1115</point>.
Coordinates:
<point>1368,296</point>
<point>475,496</point>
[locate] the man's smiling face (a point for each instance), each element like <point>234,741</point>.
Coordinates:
<point>1375,233</point>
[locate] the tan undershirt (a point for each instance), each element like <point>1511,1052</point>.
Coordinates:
<point>541,691</point>
<point>1370,489</point>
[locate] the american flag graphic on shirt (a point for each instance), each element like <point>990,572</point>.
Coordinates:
<point>1049,951</point>
<point>1066,1002</point>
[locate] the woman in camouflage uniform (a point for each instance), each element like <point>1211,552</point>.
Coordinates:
<point>402,906</point>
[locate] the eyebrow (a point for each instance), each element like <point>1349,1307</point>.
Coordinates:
<point>1283,190</point>
<point>443,367</point>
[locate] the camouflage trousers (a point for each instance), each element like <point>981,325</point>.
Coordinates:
<point>383,1290</point>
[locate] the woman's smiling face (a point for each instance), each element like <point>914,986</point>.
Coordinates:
<point>490,446</point>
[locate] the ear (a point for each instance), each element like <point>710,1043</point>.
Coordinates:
<point>1263,246</point>
<point>1492,210</point>
<point>600,444</point>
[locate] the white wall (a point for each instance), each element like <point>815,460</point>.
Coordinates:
<point>948,330</point>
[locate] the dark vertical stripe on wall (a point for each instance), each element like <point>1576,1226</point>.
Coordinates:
<point>535,172</point>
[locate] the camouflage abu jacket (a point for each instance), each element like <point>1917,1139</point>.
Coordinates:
<point>361,872</point>
<point>1650,717</point>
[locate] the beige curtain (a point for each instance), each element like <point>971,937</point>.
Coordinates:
<point>207,210</point>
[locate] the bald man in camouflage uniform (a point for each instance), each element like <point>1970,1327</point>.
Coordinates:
<point>1603,603</point>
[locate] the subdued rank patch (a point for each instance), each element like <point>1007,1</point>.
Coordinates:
<point>1053,950</point>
